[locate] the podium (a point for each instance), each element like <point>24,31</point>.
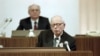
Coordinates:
<point>41,52</point>
<point>83,43</point>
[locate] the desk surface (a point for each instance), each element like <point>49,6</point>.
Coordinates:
<point>36,52</point>
<point>30,49</point>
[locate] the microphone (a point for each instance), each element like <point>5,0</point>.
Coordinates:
<point>31,33</point>
<point>8,21</point>
<point>3,22</point>
<point>3,27</point>
<point>67,46</point>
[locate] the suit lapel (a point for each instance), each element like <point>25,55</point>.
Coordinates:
<point>63,38</point>
<point>50,39</point>
<point>29,24</point>
<point>39,23</point>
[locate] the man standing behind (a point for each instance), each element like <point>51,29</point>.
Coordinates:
<point>34,21</point>
<point>47,38</point>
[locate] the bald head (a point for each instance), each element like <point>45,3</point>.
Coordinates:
<point>57,19</point>
<point>57,25</point>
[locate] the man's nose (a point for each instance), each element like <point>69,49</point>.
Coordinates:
<point>55,26</point>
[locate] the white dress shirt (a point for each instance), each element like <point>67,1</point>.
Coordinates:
<point>32,22</point>
<point>57,41</point>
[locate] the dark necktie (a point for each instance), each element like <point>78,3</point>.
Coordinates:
<point>55,42</point>
<point>35,25</point>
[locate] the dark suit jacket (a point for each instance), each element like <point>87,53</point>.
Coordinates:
<point>45,39</point>
<point>43,24</point>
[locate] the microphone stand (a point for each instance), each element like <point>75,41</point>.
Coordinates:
<point>67,46</point>
<point>3,22</point>
<point>8,21</point>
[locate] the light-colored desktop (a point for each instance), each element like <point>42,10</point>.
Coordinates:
<point>25,33</point>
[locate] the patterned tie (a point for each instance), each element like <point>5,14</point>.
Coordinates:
<point>35,25</point>
<point>55,42</point>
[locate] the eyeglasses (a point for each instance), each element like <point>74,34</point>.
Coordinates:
<point>34,10</point>
<point>57,24</point>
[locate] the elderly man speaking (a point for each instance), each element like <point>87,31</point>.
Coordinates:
<point>57,34</point>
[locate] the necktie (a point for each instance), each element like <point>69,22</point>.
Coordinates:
<point>35,25</point>
<point>55,42</point>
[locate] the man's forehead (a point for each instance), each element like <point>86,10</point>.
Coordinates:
<point>34,7</point>
<point>57,20</point>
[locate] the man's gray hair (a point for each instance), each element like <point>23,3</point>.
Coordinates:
<point>33,5</point>
<point>58,17</point>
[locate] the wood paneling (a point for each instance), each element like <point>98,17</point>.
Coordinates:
<point>18,42</point>
<point>83,43</point>
<point>33,52</point>
<point>88,43</point>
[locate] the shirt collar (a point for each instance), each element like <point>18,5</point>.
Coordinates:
<point>59,37</point>
<point>35,20</point>
<point>32,22</point>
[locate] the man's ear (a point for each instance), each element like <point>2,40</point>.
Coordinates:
<point>64,24</point>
